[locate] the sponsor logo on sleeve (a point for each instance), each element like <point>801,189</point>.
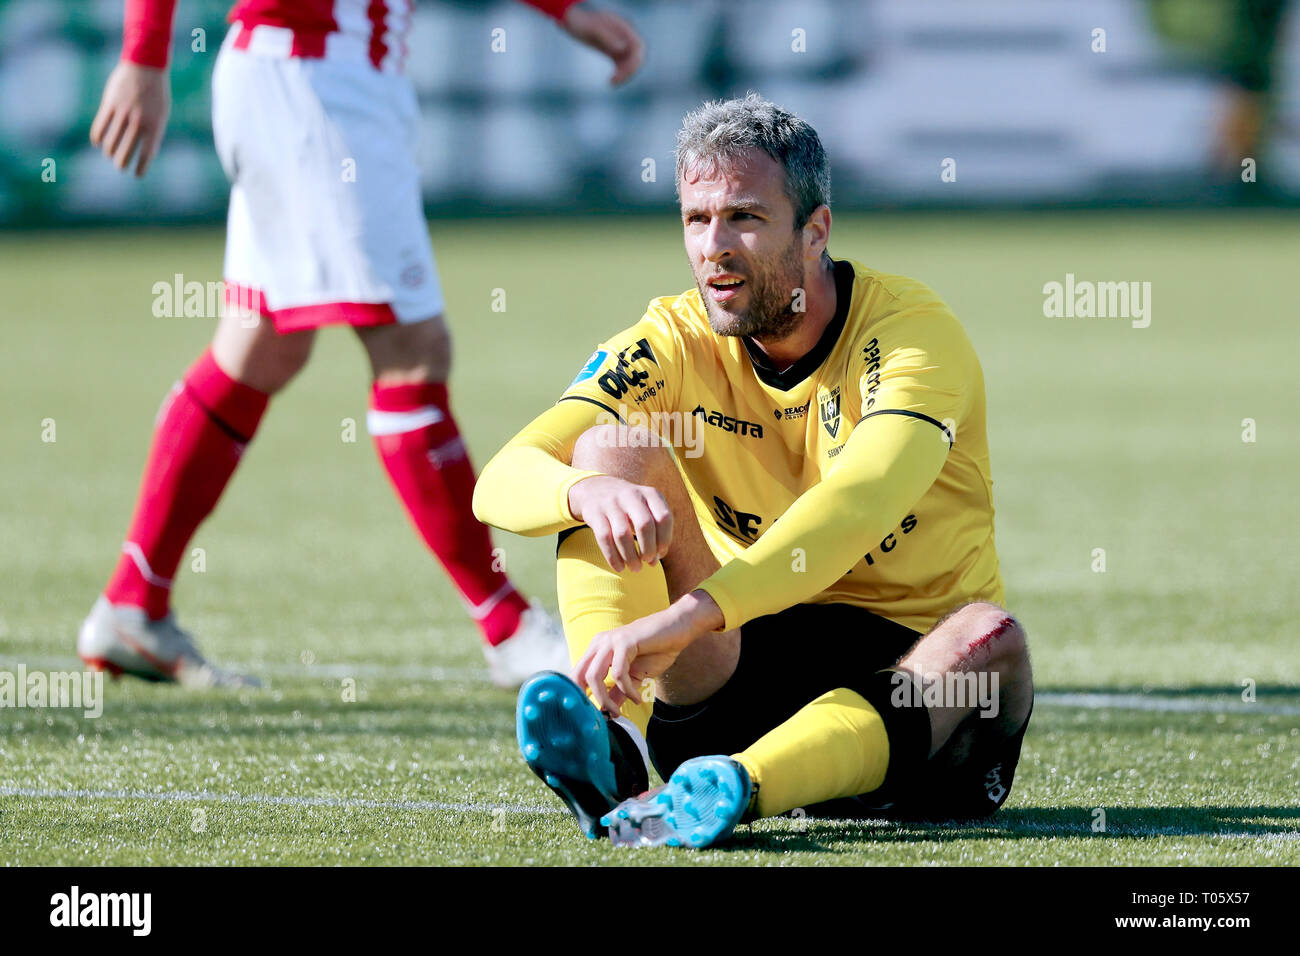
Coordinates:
<point>593,365</point>
<point>622,378</point>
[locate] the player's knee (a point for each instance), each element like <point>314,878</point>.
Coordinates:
<point>433,341</point>
<point>265,361</point>
<point>409,353</point>
<point>292,358</point>
<point>991,632</point>
<point>635,454</point>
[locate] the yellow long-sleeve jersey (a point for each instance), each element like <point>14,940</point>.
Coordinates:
<point>859,475</point>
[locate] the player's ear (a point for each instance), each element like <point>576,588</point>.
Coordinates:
<point>817,232</point>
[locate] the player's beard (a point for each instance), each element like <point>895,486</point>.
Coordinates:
<point>770,315</point>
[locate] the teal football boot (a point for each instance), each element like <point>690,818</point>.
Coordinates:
<point>699,806</point>
<point>590,761</point>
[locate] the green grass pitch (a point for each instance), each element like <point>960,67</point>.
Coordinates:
<point>1104,436</point>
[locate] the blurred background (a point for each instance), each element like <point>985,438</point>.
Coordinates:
<point>1108,102</point>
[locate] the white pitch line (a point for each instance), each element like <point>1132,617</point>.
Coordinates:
<point>205,796</point>
<point>1166,704</point>
<point>437,675</point>
<point>995,830</point>
<point>473,675</point>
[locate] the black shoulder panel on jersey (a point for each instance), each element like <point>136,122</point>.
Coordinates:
<point>902,411</point>
<point>801,369</point>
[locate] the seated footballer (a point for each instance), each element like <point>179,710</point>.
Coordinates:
<point>803,610</point>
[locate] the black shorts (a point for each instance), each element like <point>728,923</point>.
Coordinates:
<point>789,659</point>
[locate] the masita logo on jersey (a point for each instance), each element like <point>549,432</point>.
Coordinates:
<point>727,423</point>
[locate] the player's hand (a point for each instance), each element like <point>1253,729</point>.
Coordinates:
<point>608,33</point>
<point>632,523</point>
<point>643,649</point>
<point>132,115</point>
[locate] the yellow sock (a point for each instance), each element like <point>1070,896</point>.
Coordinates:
<point>593,599</point>
<point>834,747</point>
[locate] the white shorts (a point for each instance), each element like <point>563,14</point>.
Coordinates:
<point>326,222</point>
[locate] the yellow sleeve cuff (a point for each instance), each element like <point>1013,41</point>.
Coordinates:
<point>524,488</point>
<point>563,503</point>
<point>730,607</point>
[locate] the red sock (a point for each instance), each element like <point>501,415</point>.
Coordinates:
<point>199,435</point>
<point>421,448</point>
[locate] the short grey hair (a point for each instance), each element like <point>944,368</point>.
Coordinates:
<point>719,132</point>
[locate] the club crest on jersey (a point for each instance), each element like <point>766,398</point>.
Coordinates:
<point>592,367</point>
<point>829,403</point>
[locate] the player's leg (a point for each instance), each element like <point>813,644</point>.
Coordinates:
<point>974,750</point>
<point>637,455</point>
<point>800,655</point>
<point>976,639</point>
<point>894,735</point>
<point>409,353</point>
<point>211,415</point>
<point>420,445</point>
<point>963,693</point>
<point>594,598</point>
<point>249,350</point>
<point>352,247</point>
<point>592,760</point>
<point>206,421</point>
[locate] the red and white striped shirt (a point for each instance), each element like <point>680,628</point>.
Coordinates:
<point>374,30</point>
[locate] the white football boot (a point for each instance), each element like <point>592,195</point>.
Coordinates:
<point>121,639</point>
<point>536,645</point>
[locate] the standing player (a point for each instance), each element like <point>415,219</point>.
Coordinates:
<point>815,595</point>
<point>305,91</point>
